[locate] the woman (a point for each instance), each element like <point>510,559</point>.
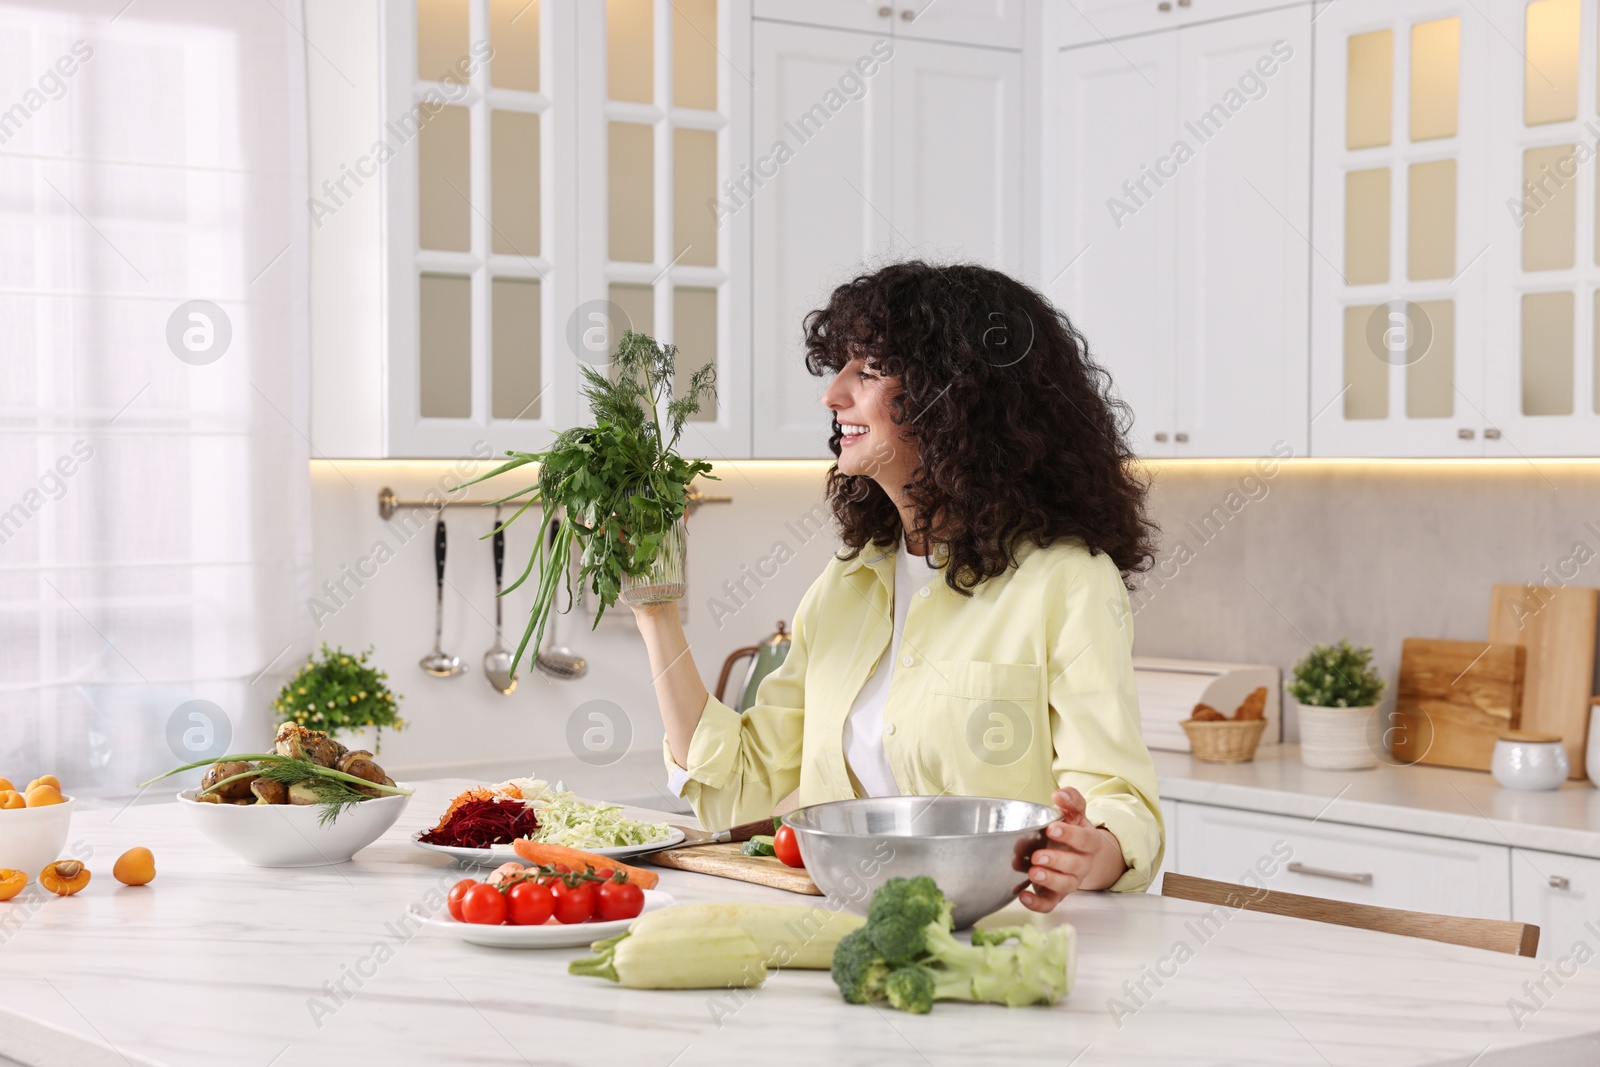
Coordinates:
<point>973,636</point>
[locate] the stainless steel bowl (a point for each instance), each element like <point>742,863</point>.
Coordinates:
<point>968,845</point>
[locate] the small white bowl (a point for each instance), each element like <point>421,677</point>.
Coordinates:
<point>33,837</point>
<point>288,835</point>
<point>1530,762</point>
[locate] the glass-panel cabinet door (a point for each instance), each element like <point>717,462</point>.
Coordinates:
<point>479,262</point>
<point>664,92</point>
<point>1542,393</point>
<point>1398,234</point>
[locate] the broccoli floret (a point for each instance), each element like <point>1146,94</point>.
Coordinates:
<point>911,989</point>
<point>858,969</point>
<point>915,899</point>
<point>912,965</point>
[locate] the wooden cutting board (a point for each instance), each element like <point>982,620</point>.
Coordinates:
<point>1557,625</point>
<point>1454,699</point>
<point>724,861</point>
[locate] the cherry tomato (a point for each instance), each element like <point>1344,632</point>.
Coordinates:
<point>551,879</point>
<point>618,900</point>
<point>458,891</point>
<point>484,904</point>
<point>604,872</point>
<point>528,904</point>
<point>573,904</point>
<point>786,848</point>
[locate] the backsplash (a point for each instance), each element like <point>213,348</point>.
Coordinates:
<point>1257,561</point>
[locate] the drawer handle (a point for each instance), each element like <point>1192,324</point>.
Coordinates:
<point>1321,872</point>
<point>1559,881</point>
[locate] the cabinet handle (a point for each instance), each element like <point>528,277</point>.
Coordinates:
<point>1162,436</point>
<point>885,12</point>
<point>1165,5</point>
<point>1322,872</point>
<point>1466,433</point>
<point>908,15</point>
<point>1491,434</point>
<point>1559,881</point>
<point>1181,438</point>
<point>1183,3</point>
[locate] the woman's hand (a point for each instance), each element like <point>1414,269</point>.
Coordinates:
<point>1079,856</point>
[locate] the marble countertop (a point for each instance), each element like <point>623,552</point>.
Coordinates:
<point>219,963</point>
<point>1467,805</point>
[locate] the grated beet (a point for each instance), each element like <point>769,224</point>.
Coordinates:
<point>481,823</point>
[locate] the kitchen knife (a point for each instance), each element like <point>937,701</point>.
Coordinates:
<point>742,832</point>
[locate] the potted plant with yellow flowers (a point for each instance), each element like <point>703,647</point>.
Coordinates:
<point>341,693</point>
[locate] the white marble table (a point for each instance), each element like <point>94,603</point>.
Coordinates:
<point>217,963</point>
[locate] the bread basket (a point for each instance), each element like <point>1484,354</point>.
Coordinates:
<point>1224,741</point>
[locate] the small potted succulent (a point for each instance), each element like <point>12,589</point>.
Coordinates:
<point>1338,690</point>
<point>340,693</point>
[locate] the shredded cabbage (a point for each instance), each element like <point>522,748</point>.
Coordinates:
<point>566,820</point>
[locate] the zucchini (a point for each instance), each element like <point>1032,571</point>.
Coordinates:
<point>683,957</point>
<point>788,935</point>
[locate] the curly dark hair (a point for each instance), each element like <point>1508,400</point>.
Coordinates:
<point>1019,435</point>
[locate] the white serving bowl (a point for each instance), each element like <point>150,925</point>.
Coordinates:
<point>288,835</point>
<point>33,837</point>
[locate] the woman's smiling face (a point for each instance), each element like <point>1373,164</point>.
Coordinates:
<point>870,443</point>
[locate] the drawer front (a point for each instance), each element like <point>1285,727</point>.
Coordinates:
<point>1387,868</point>
<point>1561,896</point>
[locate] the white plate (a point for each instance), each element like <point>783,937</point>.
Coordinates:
<point>495,855</point>
<point>551,935</point>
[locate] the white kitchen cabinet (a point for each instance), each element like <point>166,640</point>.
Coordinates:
<point>1560,895</point>
<point>1353,863</point>
<point>997,23</point>
<point>1116,270</point>
<point>1401,227</point>
<point>819,215</point>
<point>1184,165</point>
<point>867,150</point>
<point>1092,21</point>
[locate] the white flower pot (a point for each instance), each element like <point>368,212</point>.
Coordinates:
<point>1337,739</point>
<point>366,737</point>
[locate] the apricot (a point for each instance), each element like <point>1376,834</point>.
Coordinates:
<point>137,866</point>
<point>64,877</point>
<point>11,883</point>
<point>10,798</point>
<point>41,794</point>
<point>5,783</point>
<point>45,779</point>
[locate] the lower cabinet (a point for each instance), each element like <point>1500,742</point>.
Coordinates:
<point>1354,863</point>
<point>1560,895</point>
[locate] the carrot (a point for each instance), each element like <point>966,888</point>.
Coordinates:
<point>576,859</point>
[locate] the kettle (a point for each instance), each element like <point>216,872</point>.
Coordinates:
<point>764,659</point>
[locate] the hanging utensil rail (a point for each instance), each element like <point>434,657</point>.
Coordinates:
<point>389,504</point>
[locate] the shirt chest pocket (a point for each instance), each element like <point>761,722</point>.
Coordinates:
<point>996,709</point>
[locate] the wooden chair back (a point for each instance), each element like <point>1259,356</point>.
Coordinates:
<point>1496,935</point>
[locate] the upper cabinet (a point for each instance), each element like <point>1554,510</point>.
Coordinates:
<point>1455,283</point>
<point>996,23</point>
<point>868,147</point>
<point>1092,21</point>
<point>663,248</point>
<point>1184,188</point>
<point>480,263</point>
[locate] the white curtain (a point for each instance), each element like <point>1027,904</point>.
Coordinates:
<point>154,496</point>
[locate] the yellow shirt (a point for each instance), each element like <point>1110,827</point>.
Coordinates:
<point>1023,688</point>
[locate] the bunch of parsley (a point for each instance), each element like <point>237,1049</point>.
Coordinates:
<point>620,482</point>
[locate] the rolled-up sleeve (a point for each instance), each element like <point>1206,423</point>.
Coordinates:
<point>740,765</point>
<point>1094,714</point>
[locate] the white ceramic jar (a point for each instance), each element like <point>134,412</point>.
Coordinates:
<point>1337,739</point>
<point>1529,761</point>
<point>1591,754</point>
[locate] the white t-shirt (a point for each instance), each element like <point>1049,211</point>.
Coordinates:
<point>864,727</point>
